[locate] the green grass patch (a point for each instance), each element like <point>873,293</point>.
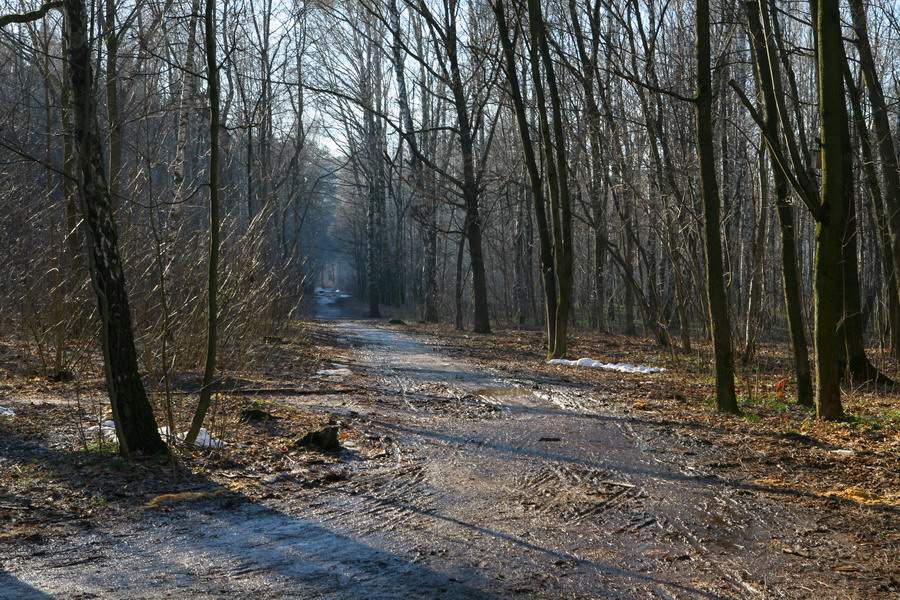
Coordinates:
<point>769,402</point>
<point>889,419</point>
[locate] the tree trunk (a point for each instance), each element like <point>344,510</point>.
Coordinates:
<point>374,183</point>
<point>596,166</point>
<point>857,366</point>
<point>520,264</point>
<point>429,267</point>
<point>212,67</point>
<point>185,98</point>
<point>628,268</point>
<point>754,310</point>
<point>425,210</point>
<point>831,225</point>
<point>536,185</point>
<point>460,282</point>
<point>373,267</point>
<point>886,149</point>
<point>556,165</point>
<point>481,321</point>
<point>882,225</point>
<point>74,261</point>
<point>113,117</point>
<point>470,193</point>
<point>715,283</point>
<point>680,294</point>
<point>793,296</point>
<point>599,246</point>
<point>133,415</point>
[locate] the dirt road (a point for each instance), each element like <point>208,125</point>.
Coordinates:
<point>496,488</point>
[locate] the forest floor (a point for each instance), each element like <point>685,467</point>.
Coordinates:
<point>470,468</point>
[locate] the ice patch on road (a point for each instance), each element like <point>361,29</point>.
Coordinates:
<point>596,364</point>
<point>107,431</point>
<point>6,412</point>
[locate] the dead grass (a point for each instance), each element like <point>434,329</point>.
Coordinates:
<point>53,472</point>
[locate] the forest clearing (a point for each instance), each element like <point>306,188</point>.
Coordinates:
<point>449,299</point>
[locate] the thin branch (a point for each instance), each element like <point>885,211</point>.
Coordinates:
<point>28,17</point>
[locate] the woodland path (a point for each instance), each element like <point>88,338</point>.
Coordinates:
<point>500,488</point>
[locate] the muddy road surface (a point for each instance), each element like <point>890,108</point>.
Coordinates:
<point>497,487</point>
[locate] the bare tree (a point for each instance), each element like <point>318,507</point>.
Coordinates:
<point>133,415</point>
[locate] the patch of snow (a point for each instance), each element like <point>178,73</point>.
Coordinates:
<point>6,412</point>
<point>338,370</point>
<point>843,452</point>
<point>204,439</point>
<point>106,430</point>
<point>596,364</point>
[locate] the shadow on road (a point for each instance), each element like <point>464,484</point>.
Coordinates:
<point>229,545</point>
<point>12,588</point>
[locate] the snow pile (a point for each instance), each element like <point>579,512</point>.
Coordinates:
<point>204,439</point>
<point>107,430</point>
<point>338,370</point>
<point>596,364</point>
<point>843,452</point>
<point>6,412</point>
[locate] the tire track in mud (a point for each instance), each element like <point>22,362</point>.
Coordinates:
<point>375,501</point>
<point>560,478</point>
<point>567,482</point>
<point>381,501</point>
<point>493,487</point>
<point>573,493</point>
